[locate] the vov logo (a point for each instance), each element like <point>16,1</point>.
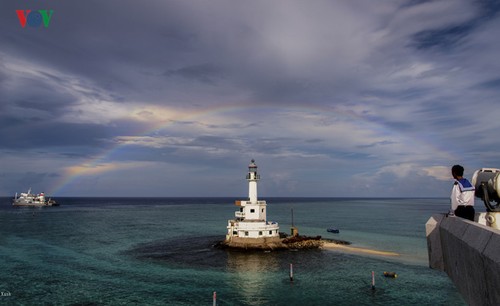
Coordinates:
<point>34,18</point>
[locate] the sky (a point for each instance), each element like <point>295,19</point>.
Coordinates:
<point>358,98</point>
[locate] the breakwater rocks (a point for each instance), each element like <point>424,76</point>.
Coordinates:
<point>303,242</point>
<point>275,243</point>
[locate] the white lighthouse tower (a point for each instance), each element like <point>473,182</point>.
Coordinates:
<point>251,228</point>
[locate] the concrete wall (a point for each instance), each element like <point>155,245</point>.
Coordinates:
<point>267,243</point>
<point>469,253</point>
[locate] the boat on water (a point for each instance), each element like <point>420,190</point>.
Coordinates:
<point>333,230</point>
<point>32,200</point>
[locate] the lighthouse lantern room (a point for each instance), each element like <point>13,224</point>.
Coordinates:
<point>251,222</point>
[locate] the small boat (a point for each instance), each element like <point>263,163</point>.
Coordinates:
<point>29,199</point>
<point>390,274</point>
<point>332,230</point>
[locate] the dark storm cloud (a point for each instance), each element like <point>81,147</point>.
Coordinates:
<point>34,103</point>
<point>36,95</point>
<point>491,84</point>
<point>378,143</point>
<point>447,38</point>
<point>444,39</point>
<point>34,178</point>
<point>489,8</point>
<point>205,73</point>
<point>43,134</point>
<point>97,40</point>
<point>124,47</point>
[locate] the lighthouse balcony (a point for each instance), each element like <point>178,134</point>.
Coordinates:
<point>257,225</point>
<point>243,203</point>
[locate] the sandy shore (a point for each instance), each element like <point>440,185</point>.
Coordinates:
<point>351,249</point>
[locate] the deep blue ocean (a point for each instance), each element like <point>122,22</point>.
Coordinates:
<point>159,251</point>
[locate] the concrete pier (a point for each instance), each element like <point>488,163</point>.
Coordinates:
<point>469,253</point>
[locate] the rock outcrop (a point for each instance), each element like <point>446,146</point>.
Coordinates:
<point>275,243</point>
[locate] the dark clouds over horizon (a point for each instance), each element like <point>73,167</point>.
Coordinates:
<point>173,98</point>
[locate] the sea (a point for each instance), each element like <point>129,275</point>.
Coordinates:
<point>160,251</point>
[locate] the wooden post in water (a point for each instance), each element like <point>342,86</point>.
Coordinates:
<point>291,272</point>
<point>215,299</point>
<point>373,280</point>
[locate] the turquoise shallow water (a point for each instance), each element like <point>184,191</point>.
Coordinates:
<point>112,251</point>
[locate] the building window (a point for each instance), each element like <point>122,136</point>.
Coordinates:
<point>246,233</point>
<point>270,232</point>
<point>235,233</point>
<point>260,233</point>
<point>262,209</point>
<point>252,210</point>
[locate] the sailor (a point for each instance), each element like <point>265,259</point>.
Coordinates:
<point>462,195</point>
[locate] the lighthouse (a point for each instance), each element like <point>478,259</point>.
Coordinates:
<point>250,228</point>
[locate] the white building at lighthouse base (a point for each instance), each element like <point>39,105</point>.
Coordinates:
<point>251,226</point>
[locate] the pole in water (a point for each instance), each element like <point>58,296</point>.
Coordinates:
<point>291,272</point>
<point>373,280</point>
<point>215,298</point>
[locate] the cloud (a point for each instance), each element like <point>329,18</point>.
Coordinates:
<point>406,170</point>
<point>438,172</point>
<point>325,95</point>
<point>205,73</point>
<point>151,141</point>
